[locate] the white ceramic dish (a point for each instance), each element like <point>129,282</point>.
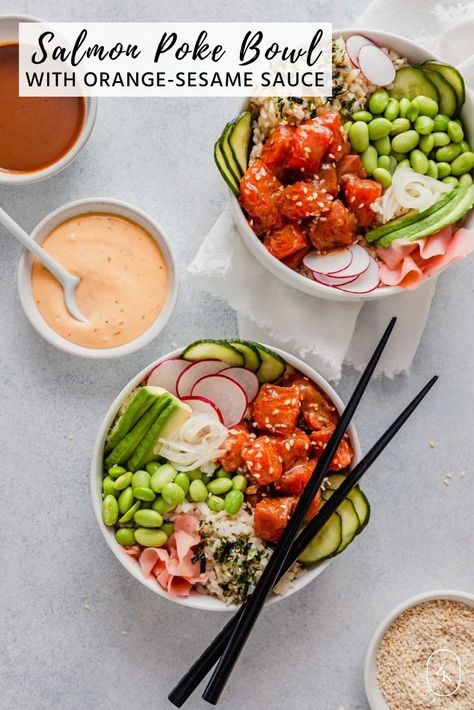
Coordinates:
<point>195,600</point>
<point>9,33</point>
<point>416,55</point>
<point>374,695</point>
<point>60,215</point>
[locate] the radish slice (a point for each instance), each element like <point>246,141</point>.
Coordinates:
<point>194,372</point>
<point>359,264</point>
<point>201,405</point>
<point>245,378</point>
<point>366,282</point>
<point>332,280</point>
<point>353,46</point>
<point>330,263</point>
<point>376,65</point>
<point>226,394</point>
<point>166,374</point>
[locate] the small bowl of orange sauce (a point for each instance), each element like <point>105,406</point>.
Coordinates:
<point>39,136</point>
<point>128,286</point>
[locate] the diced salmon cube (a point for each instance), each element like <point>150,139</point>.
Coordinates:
<point>295,260</point>
<point>262,460</point>
<point>310,144</point>
<point>277,148</point>
<point>271,516</point>
<point>276,409</point>
<point>359,195</point>
<point>339,145</point>
<point>258,191</point>
<point>314,507</point>
<point>238,435</point>
<point>344,453</point>
<point>327,180</point>
<point>317,409</point>
<point>335,228</point>
<point>351,165</point>
<point>301,200</point>
<point>294,448</point>
<point>293,481</point>
<point>284,242</point>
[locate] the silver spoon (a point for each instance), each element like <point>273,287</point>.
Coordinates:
<point>67,280</point>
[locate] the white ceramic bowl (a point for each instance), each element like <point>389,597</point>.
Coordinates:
<point>195,600</point>
<point>415,55</point>
<point>9,33</point>
<point>41,231</point>
<point>374,695</point>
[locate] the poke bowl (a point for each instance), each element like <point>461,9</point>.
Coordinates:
<point>364,194</point>
<point>200,461</point>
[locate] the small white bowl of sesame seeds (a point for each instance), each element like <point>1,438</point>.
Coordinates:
<point>420,656</point>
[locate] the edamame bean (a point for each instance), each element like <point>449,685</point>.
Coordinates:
<point>182,480</point>
<point>108,488</point>
<point>392,110</point>
<point>161,506</point>
<point>233,502</point>
<point>125,537</point>
<point>383,146</point>
<point>128,516</point>
<point>400,125</point>
<point>383,177</point>
<point>424,125</point>
<point>221,473</point>
<point>450,180</point>
<point>419,162</point>
<point>405,142</point>
<point>393,164</point>
<point>116,471</point>
<point>195,475</point>
<point>440,139</point>
<point>404,106</point>
<point>405,163</point>
<point>398,156</point>
<point>152,466</point>
<point>215,503</point>
<point>379,128</point>
<point>198,491</point>
<point>432,169</point>
<point>110,510</point>
<point>346,126</point>
<point>148,519</point>
<point>426,143</point>
<point>413,112</point>
<point>444,169</point>
<point>384,162</point>
<point>218,486</point>
<point>143,493</point>
<point>365,116</point>
<point>378,102</point>
<point>205,478</point>
<point>455,132</point>
<point>125,500</point>
<point>448,153</point>
<point>164,474</point>
<point>123,481</point>
<point>441,122</point>
<point>463,164</point>
<point>465,180</point>
<point>239,482</point>
<point>369,159</point>
<point>427,106</point>
<point>141,479</point>
<point>465,147</point>
<point>359,136</point>
<point>151,538</point>
<point>172,493</point>
<point>167,528</point>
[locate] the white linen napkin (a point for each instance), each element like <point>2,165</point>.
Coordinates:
<point>329,333</point>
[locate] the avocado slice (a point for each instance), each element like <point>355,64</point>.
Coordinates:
<point>456,208</point>
<point>126,446</point>
<point>407,219</point>
<point>145,451</point>
<point>140,403</point>
<point>181,414</point>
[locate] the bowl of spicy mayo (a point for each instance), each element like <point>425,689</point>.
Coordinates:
<point>40,135</point>
<point>128,286</point>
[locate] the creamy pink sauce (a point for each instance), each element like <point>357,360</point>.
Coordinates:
<point>124,280</point>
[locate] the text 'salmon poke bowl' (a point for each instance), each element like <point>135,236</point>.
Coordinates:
<point>200,461</point>
<point>363,194</point>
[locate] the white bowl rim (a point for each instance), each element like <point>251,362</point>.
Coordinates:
<point>277,268</point>
<point>28,178</point>
<point>98,204</point>
<point>195,600</point>
<point>372,690</point>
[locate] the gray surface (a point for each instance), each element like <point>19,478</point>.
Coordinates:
<point>65,600</point>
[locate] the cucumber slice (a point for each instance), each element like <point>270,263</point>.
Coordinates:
<point>141,402</point>
<point>448,101</point>
<point>224,170</point>
<point>356,496</point>
<point>350,523</point>
<point>213,350</point>
<point>325,543</point>
<point>272,367</point>
<point>239,140</point>
<point>410,82</point>
<point>251,355</point>
<point>227,152</point>
<point>452,76</point>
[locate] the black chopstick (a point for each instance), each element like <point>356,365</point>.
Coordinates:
<point>209,657</point>
<point>276,562</point>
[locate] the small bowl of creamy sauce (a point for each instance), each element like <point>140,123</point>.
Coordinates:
<point>128,284</point>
